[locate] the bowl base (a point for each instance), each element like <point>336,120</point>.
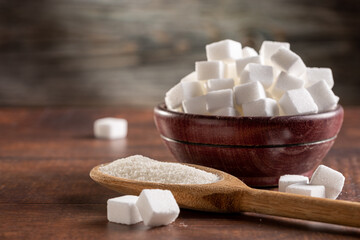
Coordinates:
<point>264,182</point>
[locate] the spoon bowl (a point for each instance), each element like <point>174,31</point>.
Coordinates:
<point>230,194</point>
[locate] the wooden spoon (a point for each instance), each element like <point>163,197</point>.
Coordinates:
<point>229,194</point>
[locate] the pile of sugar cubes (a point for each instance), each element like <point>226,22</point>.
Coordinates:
<point>324,183</point>
<point>155,207</point>
<point>236,81</point>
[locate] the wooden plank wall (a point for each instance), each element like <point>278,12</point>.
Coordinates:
<point>126,52</point>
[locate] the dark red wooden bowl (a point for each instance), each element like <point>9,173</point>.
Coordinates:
<point>257,150</point>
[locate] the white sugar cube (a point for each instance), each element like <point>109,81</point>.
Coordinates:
<point>330,178</point>
<point>174,96</point>
<point>230,70</point>
<point>219,99</point>
<point>257,72</point>
<point>306,190</point>
<point>288,61</point>
<point>157,207</point>
<point>196,105</point>
<point>243,62</point>
<point>287,180</point>
<point>219,84</point>
<point>249,52</point>
<point>110,128</point>
<point>209,70</point>
<point>228,111</point>
<point>268,48</point>
<point>248,92</point>
<point>264,107</point>
<point>123,210</point>
<point>190,77</point>
<point>286,82</point>
<point>314,75</point>
<point>323,96</point>
<point>192,89</point>
<point>225,50</point>
<point>297,101</point>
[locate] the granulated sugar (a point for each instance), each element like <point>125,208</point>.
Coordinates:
<point>142,168</point>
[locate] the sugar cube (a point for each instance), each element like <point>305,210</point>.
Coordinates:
<point>227,111</point>
<point>123,210</point>
<point>288,61</point>
<point>190,77</point>
<point>264,107</point>
<point>288,179</point>
<point>249,52</point>
<point>157,207</point>
<point>268,48</point>
<point>286,82</point>
<point>192,89</point>
<point>297,101</point>
<point>248,92</point>
<point>225,50</point>
<point>219,99</point>
<point>174,96</point>
<point>218,84</point>
<point>230,70</point>
<point>243,62</point>
<point>257,72</point>
<point>323,96</point>
<point>196,105</point>
<point>314,75</point>
<point>209,70</point>
<point>110,128</point>
<point>306,190</point>
<point>330,178</point>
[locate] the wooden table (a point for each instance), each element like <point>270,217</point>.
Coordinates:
<point>46,192</point>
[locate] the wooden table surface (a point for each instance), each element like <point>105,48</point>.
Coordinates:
<point>46,192</point>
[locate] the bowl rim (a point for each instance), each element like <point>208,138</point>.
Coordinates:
<point>326,114</point>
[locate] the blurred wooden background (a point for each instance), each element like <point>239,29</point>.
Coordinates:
<point>127,52</point>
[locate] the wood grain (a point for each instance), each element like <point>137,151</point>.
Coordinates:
<point>130,52</point>
<point>45,191</point>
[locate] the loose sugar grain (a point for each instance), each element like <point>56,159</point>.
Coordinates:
<point>146,169</point>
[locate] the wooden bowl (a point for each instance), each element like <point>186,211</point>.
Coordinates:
<point>257,150</point>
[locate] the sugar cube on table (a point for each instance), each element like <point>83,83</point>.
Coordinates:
<point>248,92</point>
<point>264,107</point>
<point>286,82</point>
<point>227,111</point>
<point>110,128</point>
<point>287,180</point>
<point>190,77</point>
<point>206,70</point>
<point>297,101</point>
<point>196,105</point>
<point>314,75</point>
<point>225,50</point>
<point>157,207</point>
<point>123,210</point>
<point>174,97</point>
<point>192,89</point>
<point>256,72</point>
<point>330,178</point>
<point>219,99</point>
<point>218,84</point>
<point>288,61</point>
<point>249,52</point>
<point>306,190</point>
<point>323,96</point>
<point>243,62</point>
<point>230,70</point>
<point>268,48</point>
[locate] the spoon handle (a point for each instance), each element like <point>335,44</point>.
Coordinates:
<point>301,207</point>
